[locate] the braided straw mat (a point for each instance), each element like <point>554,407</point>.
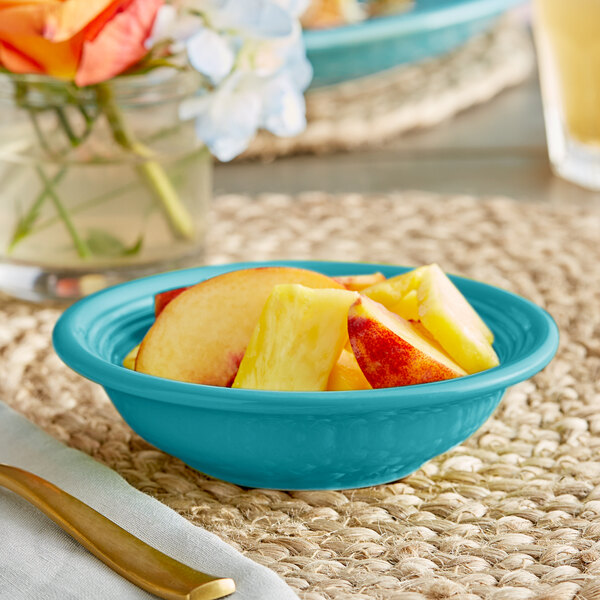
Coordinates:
<point>512,514</point>
<point>373,110</point>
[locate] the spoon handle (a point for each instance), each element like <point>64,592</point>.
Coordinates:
<point>129,556</point>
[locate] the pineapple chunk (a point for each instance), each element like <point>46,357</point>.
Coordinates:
<point>407,307</point>
<point>357,283</point>
<point>453,322</point>
<point>399,294</point>
<point>129,360</point>
<point>346,374</point>
<point>297,341</point>
<point>424,332</point>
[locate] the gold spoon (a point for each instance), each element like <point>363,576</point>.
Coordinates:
<point>133,559</point>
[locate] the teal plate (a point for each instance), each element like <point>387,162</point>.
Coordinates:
<point>298,440</point>
<point>431,28</point>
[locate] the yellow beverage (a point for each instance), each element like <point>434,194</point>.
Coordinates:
<point>568,36</point>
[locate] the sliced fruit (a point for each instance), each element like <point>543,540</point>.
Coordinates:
<point>357,283</point>
<point>391,351</point>
<point>450,294</point>
<point>407,307</point>
<point>423,331</point>
<point>399,294</point>
<point>162,299</point>
<point>346,374</point>
<point>297,341</point>
<point>129,360</point>
<point>453,322</point>
<point>201,335</point>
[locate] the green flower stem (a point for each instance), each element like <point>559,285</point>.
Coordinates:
<point>62,118</point>
<point>175,176</point>
<point>82,248</point>
<point>26,223</point>
<point>151,171</point>
<point>40,135</point>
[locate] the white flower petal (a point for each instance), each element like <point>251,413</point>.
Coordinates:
<point>192,107</point>
<point>171,25</point>
<point>295,7</point>
<point>253,52</point>
<point>210,54</point>
<point>271,57</point>
<point>256,18</point>
<point>298,67</point>
<point>268,58</point>
<point>227,119</point>
<point>186,26</point>
<point>162,26</point>
<point>284,108</point>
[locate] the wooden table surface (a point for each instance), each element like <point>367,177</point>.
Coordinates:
<point>498,148</point>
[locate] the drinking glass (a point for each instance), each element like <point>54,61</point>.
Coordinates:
<point>567,35</point>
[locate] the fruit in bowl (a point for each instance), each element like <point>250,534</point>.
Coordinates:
<point>287,329</point>
<point>200,335</point>
<point>351,437</point>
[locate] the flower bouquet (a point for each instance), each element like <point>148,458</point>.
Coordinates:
<point>110,112</point>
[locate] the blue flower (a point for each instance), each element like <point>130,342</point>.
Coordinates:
<point>252,52</point>
<point>226,119</point>
<point>283,109</point>
<point>250,18</point>
<point>210,54</point>
<point>295,7</point>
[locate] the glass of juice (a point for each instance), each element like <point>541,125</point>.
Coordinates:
<point>567,34</point>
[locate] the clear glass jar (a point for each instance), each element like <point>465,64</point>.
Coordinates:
<point>99,184</point>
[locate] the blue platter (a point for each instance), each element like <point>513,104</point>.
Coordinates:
<point>430,28</point>
<point>298,440</point>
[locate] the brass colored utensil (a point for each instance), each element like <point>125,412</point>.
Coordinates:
<point>135,560</point>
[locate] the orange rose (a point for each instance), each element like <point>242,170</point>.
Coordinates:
<point>87,41</point>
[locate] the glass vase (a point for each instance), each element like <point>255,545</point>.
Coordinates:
<point>99,184</point>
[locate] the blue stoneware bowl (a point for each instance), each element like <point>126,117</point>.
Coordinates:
<point>432,27</point>
<point>298,440</point>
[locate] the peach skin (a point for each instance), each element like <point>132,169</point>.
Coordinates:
<point>391,351</point>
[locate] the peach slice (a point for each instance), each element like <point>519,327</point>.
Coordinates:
<point>346,374</point>
<point>297,340</point>
<point>162,299</point>
<point>357,283</point>
<point>453,322</point>
<point>400,295</point>
<point>201,335</point>
<point>129,360</point>
<point>391,351</point>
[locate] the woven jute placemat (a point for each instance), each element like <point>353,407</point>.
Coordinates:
<point>511,514</point>
<point>371,111</point>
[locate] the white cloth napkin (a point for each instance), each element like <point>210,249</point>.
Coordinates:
<point>38,561</point>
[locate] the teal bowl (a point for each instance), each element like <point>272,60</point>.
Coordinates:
<point>431,28</point>
<point>298,440</point>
